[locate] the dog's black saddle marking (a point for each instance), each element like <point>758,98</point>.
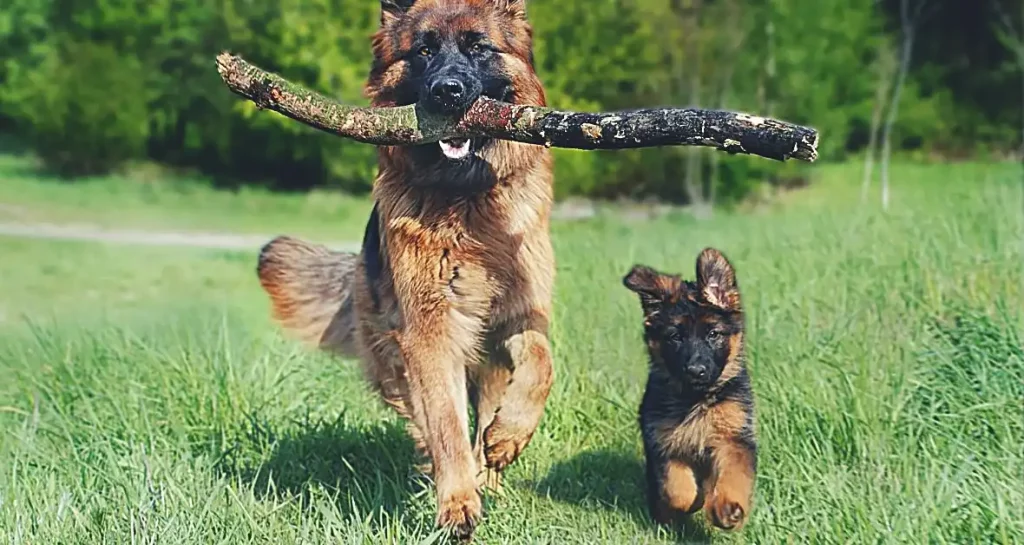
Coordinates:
<point>372,260</point>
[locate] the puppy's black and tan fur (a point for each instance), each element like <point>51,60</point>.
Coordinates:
<point>697,414</point>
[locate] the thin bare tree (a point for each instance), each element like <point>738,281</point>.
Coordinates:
<point>687,76</point>
<point>734,39</point>
<point>885,66</point>
<point>910,16</point>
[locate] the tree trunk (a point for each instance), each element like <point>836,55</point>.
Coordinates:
<point>884,80</point>
<point>728,63</point>
<point>688,76</point>
<point>1020,65</point>
<point>908,44</point>
<point>694,182</point>
<point>770,70</point>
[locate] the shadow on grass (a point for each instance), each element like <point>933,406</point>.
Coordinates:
<point>611,480</point>
<point>362,468</point>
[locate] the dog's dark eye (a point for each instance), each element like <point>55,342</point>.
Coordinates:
<point>425,51</point>
<point>714,335</point>
<point>478,48</point>
<point>671,334</point>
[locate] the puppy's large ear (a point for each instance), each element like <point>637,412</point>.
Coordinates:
<point>515,8</point>
<point>393,9</point>
<point>716,280</point>
<point>653,287</point>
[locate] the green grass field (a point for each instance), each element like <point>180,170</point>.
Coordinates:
<point>145,397</point>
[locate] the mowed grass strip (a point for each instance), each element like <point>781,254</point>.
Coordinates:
<point>150,200</point>
<point>147,398</point>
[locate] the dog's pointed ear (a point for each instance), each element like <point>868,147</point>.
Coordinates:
<point>653,287</point>
<point>716,280</point>
<point>515,8</point>
<point>393,9</point>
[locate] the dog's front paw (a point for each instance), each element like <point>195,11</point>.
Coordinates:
<point>727,513</point>
<point>503,443</point>
<point>460,513</point>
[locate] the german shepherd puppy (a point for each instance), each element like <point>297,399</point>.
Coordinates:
<point>697,413</point>
<point>450,295</point>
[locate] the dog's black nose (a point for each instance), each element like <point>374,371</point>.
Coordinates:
<point>448,90</point>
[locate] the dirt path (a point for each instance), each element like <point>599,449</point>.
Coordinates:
<point>569,210</point>
<point>196,239</point>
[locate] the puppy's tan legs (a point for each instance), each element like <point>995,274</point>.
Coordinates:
<point>731,483</point>
<point>675,490</point>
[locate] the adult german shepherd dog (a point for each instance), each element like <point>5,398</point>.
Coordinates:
<point>450,295</point>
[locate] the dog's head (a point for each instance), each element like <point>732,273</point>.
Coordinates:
<point>442,55</point>
<point>693,330</point>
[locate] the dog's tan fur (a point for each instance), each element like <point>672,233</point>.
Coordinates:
<point>462,302</point>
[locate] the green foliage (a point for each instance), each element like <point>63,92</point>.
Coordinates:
<point>144,84</point>
<point>325,45</point>
<point>93,83</point>
<point>72,121</point>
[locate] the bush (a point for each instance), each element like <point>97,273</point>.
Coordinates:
<point>84,108</point>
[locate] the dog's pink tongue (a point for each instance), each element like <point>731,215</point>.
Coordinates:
<point>455,149</point>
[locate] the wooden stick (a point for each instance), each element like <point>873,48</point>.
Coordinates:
<point>410,125</point>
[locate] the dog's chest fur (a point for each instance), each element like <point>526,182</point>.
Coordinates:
<point>488,254</point>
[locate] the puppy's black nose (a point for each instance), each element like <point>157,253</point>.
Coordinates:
<point>697,371</point>
<point>448,90</point>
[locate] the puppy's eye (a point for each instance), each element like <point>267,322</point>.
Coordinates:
<point>425,51</point>
<point>714,335</point>
<point>476,48</point>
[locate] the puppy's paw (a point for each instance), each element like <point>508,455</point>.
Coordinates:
<point>727,513</point>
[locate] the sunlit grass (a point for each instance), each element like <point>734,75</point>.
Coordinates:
<point>145,394</point>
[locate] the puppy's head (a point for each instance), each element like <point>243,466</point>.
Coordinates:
<point>693,330</point>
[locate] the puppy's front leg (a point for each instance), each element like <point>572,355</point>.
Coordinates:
<point>734,467</point>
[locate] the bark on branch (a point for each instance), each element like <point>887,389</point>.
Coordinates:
<point>408,125</point>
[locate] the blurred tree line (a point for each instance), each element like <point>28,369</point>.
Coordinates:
<point>92,84</point>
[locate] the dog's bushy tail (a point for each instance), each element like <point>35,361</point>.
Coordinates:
<point>310,289</point>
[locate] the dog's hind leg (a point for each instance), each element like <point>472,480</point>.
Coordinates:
<point>385,372</point>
